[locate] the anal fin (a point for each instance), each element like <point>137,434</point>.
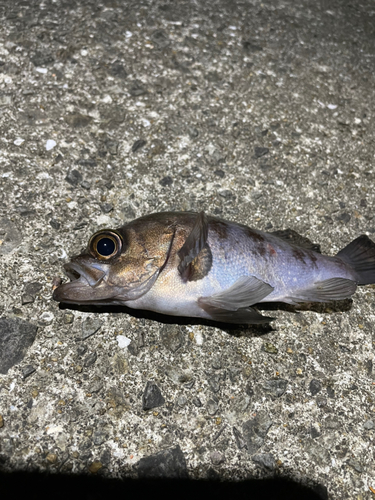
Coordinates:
<point>326,291</point>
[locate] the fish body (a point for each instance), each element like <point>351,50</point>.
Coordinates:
<point>189,264</point>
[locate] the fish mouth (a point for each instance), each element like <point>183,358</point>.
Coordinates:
<point>92,275</point>
<point>87,285</point>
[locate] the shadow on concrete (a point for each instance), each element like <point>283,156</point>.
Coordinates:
<point>41,486</point>
<point>232,329</point>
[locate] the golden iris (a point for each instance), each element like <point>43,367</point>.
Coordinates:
<point>105,244</point>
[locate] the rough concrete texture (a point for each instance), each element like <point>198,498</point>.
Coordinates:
<point>259,112</point>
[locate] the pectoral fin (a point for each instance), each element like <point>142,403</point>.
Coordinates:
<point>246,291</point>
<point>231,305</point>
<point>326,291</point>
<point>194,243</point>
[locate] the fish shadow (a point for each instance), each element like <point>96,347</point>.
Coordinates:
<point>234,330</point>
<point>319,307</point>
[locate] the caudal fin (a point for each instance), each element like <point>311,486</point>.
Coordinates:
<point>360,255</point>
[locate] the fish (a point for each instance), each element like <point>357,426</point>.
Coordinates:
<point>195,265</point>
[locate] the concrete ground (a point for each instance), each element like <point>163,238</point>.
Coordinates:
<point>257,112</point>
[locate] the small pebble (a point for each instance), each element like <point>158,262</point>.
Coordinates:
<point>166,181</point>
<point>275,388</point>
<point>152,397</point>
<point>51,458</point>
<point>27,371</point>
<point>68,318</point>
<point>89,327</point>
<point>266,460</point>
<point>1,421</point>
<point>133,348</point>
<point>315,386</point>
<point>216,457</point>
<point>123,341</point>
<point>80,225</point>
<point>106,208</point>
<point>181,401</point>
<point>212,407</point>
<point>270,348</point>
<point>190,384</point>
<point>95,467</point>
<point>112,147</point>
<point>259,152</point>
<point>355,465</point>
<point>100,437</point>
<point>369,425</point>
<point>315,430</point>
<point>330,392</point>
<point>33,288</point>
<point>50,144</point>
<point>54,224</point>
<point>81,350</point>
<point>46,318</point>
<point>344,217</point>
<point>225,193</point>
<point>197,402</point>
<point>90,359</point>
<point>138,145</point>
<point>27,299</point>
<point>240,441</point>
<point>216,363</point>
<point>73,177</point>
<point>321,401</point>
<point>219,173</point>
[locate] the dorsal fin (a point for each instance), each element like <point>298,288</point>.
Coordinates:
<point>295,238</point>
<point>194,243</point>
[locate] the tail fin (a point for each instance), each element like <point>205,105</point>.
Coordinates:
<point>360,255</point>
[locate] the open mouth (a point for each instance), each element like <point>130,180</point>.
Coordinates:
<point>87,284</point>
<point>72,273</point>
<point>91,275</point>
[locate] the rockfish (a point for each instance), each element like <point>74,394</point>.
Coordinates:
<point>191,264</point>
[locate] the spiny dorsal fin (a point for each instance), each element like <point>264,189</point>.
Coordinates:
<point>296,239</point>
<point>194,243</point>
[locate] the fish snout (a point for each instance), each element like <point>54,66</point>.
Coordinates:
<point>84,285</point>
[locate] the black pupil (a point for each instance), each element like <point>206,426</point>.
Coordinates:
<point>105,247</point>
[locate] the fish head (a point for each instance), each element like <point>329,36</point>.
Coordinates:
<point>118,265</point>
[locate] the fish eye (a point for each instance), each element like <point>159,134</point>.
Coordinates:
<point>105,247</point>
<point>105,244</point>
